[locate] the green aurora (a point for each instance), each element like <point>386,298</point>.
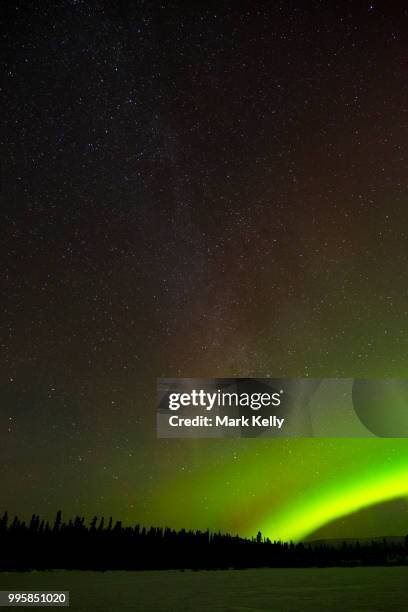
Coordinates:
<point>287,489</point>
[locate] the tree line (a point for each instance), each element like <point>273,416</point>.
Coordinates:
<point>105,545</point>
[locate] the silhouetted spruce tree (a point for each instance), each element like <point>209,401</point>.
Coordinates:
<point>76,545</point>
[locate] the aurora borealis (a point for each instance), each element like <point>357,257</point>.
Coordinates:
<point>210,192</point>
<point>290,490</point>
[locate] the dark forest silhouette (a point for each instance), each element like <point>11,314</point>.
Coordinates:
<point>102,545</point>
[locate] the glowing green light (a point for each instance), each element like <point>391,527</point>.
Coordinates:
<point>303,516</point>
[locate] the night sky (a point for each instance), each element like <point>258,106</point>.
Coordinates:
<point>207,190</point>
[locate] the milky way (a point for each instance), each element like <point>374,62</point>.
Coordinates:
<point>198,192</point>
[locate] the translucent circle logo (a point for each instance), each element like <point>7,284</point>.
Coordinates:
<point>382,406</point>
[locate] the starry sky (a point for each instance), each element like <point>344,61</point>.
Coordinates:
<point>208,191</point>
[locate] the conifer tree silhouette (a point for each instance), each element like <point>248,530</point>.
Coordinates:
<point>94,546</point>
